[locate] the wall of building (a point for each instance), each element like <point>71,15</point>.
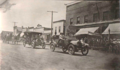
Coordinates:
<point>58,27</point>
<point>88,8</point>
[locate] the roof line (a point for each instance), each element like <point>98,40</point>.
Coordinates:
<point>72,3</point>
<point>58,21</point>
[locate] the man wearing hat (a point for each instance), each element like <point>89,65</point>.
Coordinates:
<point>61,39</point>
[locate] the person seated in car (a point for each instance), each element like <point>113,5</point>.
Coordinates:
<point>41,39</point>
<point>80,41</point>
<point>61,39</point>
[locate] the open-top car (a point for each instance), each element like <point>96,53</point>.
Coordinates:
<point>33,39</point>
<point>71,46</point>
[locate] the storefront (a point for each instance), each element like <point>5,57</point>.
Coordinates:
<point>47,36</point>
<point>98,34</point>
<point>113,31</point>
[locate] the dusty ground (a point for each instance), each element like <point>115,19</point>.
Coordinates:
<point>17,57</point>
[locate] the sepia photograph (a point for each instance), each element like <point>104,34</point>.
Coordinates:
<point>59,35</point>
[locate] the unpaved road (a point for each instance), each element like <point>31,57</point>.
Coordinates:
<point>17,57</point>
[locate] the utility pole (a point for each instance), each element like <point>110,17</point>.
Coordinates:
<point>52,21</point>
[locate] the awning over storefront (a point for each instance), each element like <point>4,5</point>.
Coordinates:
<point>114,29</point>
<point>86,31</point>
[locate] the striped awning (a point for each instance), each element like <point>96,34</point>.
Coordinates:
<point>113,28</point>
<point>86,31</point>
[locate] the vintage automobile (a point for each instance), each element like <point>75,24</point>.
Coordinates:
<point>38,42</point>
<point>71,46</point>
<point>33,41</point>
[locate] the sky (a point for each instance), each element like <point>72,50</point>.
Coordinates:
<point>32,12</point>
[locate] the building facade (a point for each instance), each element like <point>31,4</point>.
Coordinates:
<point>58,27</point>
<point>86,12</point>
<point>44,30</point>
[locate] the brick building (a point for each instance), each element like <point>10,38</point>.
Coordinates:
<point>86,12</point>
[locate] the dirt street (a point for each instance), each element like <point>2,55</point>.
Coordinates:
<point>17,57</point>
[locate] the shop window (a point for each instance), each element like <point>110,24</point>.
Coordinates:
<point>71,21</point>
<point>86,19</point>
<point>95,17</point>
<point>78,20</point>
<point>59,28</point>
<point>106,15</point>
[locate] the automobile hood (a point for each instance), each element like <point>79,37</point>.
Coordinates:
<point>74,42</point>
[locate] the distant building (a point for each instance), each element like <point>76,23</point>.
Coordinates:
<point>45,31</point>
<point>58,27</point>
<point>87,12</point>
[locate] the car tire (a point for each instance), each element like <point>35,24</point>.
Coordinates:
<point>71,49</point>
<point>84,50</point>
<point>64,49</point>
<point>33,45</point>
<point>43,45</point>
<point>52,47</point>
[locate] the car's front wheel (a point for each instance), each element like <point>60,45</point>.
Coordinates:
<point>84,50</point>
<point>71,49</point>
<point>64,49</point>
<point>33,45</point>
<point>43,45</point>
<point>52,47</point>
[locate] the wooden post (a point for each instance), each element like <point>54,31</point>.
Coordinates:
<point>109,36</point>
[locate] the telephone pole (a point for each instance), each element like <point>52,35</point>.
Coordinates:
<point>52,20</point>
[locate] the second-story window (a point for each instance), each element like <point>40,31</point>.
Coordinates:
<point>117,14</point>
<point>86,19</point>
<point>95,17</point>
<point>71,21</point>
<point>78,20</point>
<point>106,15</point>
